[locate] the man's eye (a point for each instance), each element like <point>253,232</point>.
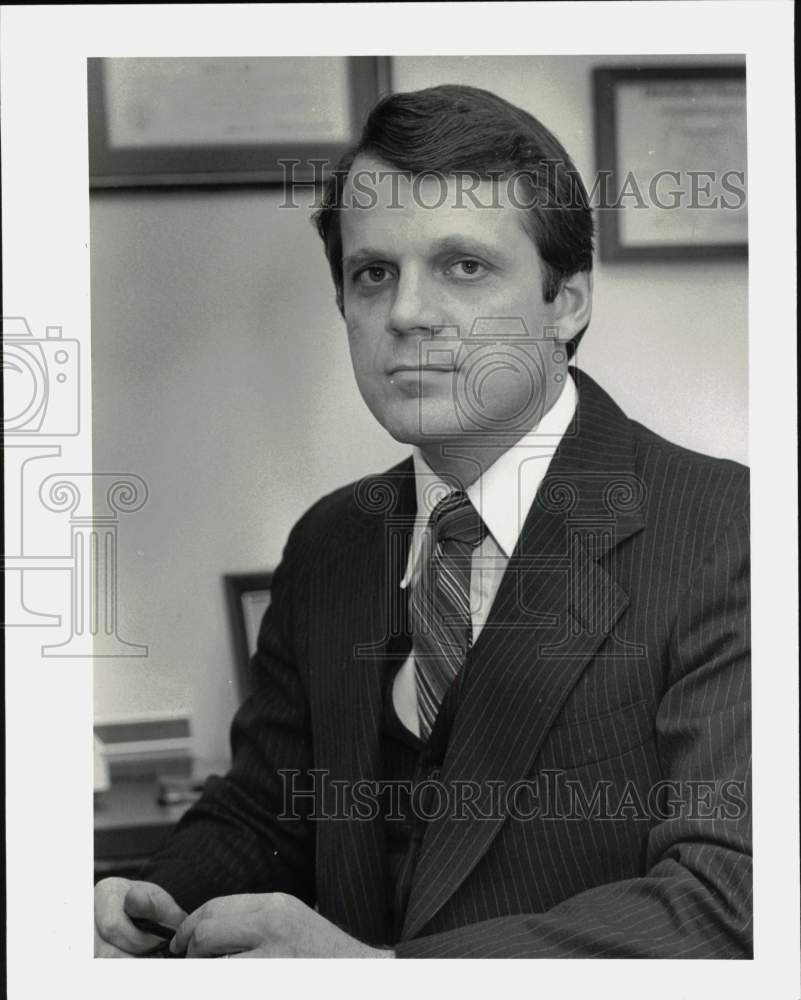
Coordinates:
<point>375,274</point>
<point>467,268</point>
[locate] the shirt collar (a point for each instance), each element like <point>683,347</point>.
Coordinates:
<point>505,492</point>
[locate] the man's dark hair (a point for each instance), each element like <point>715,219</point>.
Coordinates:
<point>465,130</point>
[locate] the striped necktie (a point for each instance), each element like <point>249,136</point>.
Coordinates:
<point>439,602</point>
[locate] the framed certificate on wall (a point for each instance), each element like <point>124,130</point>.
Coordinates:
<point>263,120</point>
<point>671,162</point>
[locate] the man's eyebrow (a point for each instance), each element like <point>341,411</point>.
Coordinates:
<point>447,244</point>
<point>363,254</point>
<point>467,245</point>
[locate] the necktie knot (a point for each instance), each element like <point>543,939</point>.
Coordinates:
<point>456,519</point>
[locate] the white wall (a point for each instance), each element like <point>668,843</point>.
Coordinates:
<point>221,376</point>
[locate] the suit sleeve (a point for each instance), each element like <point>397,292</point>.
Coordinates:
<point>234,838</point>
<point>694,899</point>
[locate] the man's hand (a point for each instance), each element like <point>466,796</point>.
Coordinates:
<point>265,925</point>
<point>119,899</point>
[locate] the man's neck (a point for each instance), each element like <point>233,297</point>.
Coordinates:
<point>463,462</point>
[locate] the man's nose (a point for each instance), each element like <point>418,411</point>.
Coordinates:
<point>415,306</point>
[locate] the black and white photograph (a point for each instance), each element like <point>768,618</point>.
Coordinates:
<point>380,506</point>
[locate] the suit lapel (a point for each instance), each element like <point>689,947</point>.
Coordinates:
<point>554,608</point>
<point>367,637</point>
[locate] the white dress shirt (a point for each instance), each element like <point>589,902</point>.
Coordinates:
<point>502,496</point>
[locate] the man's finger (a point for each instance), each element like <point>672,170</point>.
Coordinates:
<point>144,899</point>
<point>105,950</point>
<point>215,936</point>
<point>235,907</point>
<point>112,925</point>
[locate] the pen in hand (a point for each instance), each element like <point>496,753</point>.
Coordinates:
<point>162,949</point>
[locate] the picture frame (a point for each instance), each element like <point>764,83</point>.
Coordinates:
<point>205,121</point>
<point>670,144</point>
<point>247,597</point>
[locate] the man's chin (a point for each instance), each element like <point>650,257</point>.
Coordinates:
<point>413,436</point>
<point>419,433</point>
<point>412,422</point>
<point>449,439</point>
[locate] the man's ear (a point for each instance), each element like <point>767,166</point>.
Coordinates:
<point>573,305</point>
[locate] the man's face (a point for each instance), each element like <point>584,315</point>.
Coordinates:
<point>449,334</point>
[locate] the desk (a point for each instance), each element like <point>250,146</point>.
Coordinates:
<point>130,824</point>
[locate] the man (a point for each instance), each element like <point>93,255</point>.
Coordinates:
<point>501,700</point>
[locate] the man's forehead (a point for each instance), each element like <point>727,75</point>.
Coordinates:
<point>379,195</point>
<point>371,180</point>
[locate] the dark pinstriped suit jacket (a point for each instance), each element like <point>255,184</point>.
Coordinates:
<point>615,658</point>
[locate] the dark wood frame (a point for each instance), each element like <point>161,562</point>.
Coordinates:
<point>605,81</point>
<point>236,586</point>
<point>183,166</point>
